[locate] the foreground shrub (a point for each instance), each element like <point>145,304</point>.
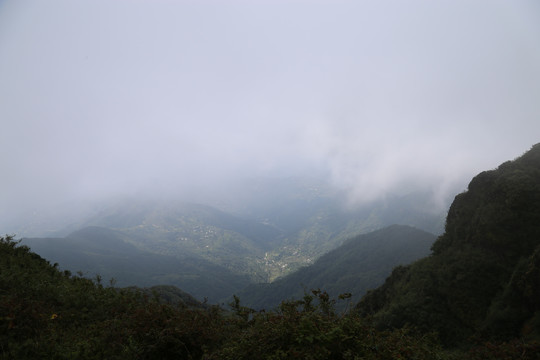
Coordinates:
<point>310,329</point>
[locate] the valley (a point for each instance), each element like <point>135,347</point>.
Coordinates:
<point>276,228</point>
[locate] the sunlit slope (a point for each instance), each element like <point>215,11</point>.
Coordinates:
<point>484,274</point>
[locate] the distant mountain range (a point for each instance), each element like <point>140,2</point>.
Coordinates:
<point>275,227</point>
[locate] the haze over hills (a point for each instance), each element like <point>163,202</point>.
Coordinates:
<point>213,145</point>
<point>285,225</point>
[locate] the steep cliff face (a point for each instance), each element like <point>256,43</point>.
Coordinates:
<point>479,278</point>
<point>499,212</point>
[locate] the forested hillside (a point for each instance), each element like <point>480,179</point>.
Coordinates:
<point>483,278</point>
<point>275,228</point>
<point>46,313</point>
<point>105,252</point>
<point>262,229</point>
<point>360,264</point>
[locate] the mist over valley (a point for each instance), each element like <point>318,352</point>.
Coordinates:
<point>275,227</point>
<point>269,179</point>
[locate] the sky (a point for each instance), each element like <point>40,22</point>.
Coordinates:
<point>104,97</point>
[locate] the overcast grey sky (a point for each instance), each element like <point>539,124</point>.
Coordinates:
<point>107,96</point>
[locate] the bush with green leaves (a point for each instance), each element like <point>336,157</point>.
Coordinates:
<point>311,329</point>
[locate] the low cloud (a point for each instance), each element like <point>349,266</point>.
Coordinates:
<point>102,98</point>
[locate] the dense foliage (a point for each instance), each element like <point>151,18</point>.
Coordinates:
<point>50,314</point>
<point>482,280</point>
<point>311,329</point>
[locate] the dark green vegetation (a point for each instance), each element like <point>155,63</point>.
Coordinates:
<point>483,278</point>
<point>358,265</point>
<point>46,313</point>
<point>49,314</point>
<point>107,253</point>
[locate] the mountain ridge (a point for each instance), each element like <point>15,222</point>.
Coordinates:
<point>263,240</point>
<point>111,257</point>
<point>481,276</point>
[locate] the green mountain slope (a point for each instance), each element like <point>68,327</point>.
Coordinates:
<point>330,225</point>
<point>183,229</point>
<point>261,228</point>
<point>484,274</point>
<point>46,313</point>
<point>358,265</point>
<point>190,241</point>
<point>49,314</point>
<point>104,252</point>
<point>282,225</point>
